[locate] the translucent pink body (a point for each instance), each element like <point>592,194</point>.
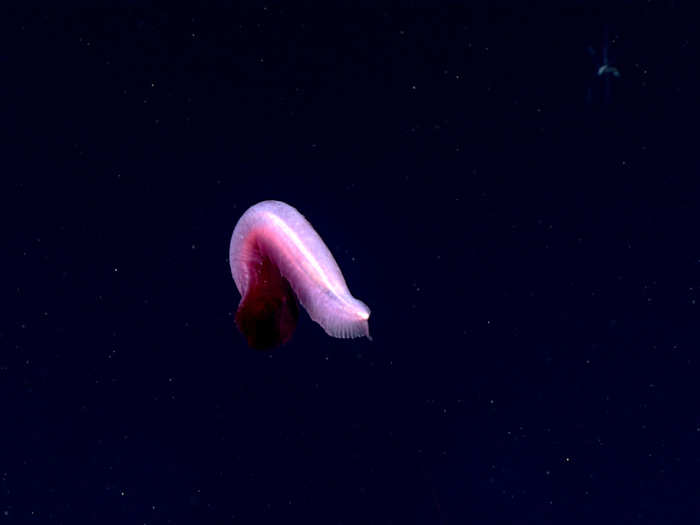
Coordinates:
<point>272,237</point>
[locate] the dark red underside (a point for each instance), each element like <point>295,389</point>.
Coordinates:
<point>269,312</point>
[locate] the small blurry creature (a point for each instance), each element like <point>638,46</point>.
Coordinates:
<point>607,69</point>
<point>604,73</point>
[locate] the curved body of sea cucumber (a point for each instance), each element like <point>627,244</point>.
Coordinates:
<point>277,258</point>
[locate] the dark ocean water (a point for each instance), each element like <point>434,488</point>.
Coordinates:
<point>514,193</point>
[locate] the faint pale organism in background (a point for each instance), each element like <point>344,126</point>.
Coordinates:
<point>607,69</point>
<point>605,72</point>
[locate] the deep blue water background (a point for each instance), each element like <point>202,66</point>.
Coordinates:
<point>524,230</point>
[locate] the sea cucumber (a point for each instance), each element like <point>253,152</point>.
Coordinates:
<point>279,261</point>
